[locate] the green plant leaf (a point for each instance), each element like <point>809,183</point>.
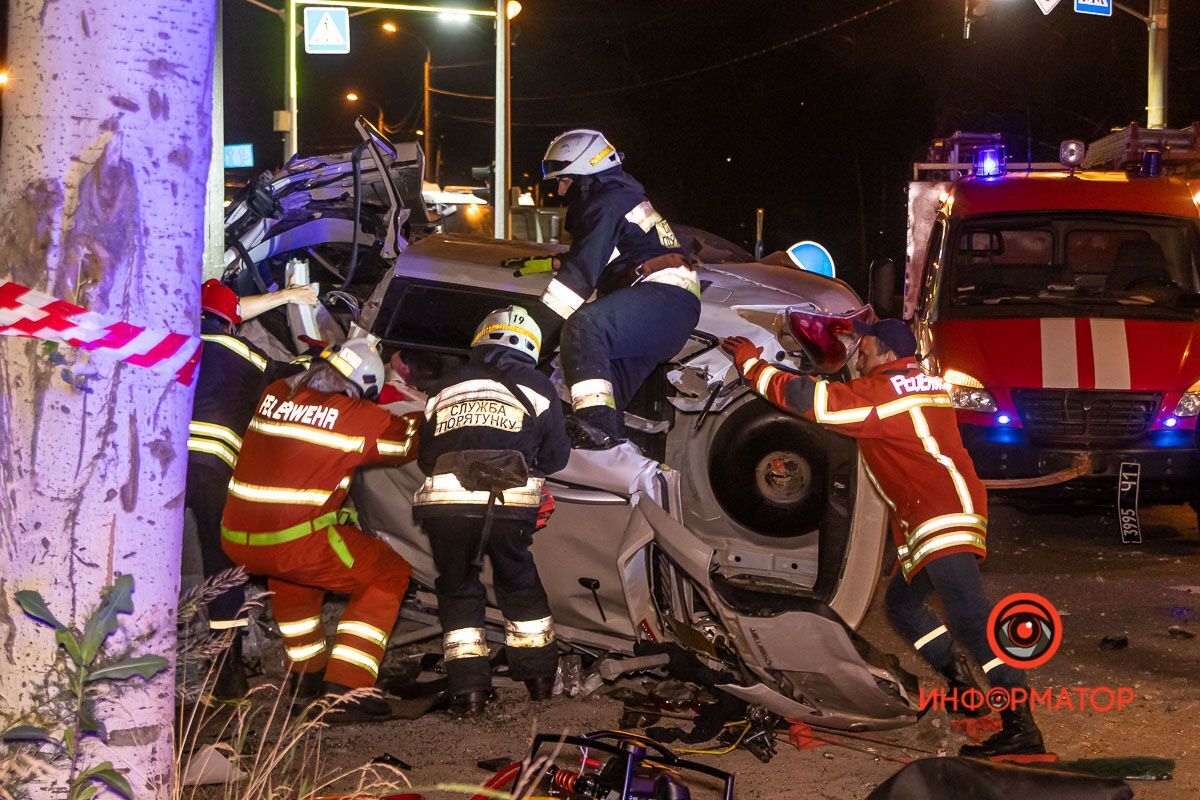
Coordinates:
<point>104,773</point>
<point>66,638</point>
<point>28,733</point>
<point>103,622</point>
<point>86,792</point>
<point>32,604</point>
<point>88,722</point>
<point>147,666</point>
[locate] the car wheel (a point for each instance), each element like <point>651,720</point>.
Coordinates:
<point>767,471</point>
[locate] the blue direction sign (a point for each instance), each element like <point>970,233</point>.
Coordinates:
<point>1099,8</point>
<point>326,30</point>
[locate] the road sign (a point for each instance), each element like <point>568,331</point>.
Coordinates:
<point>1099,8</point>
<point>813,257</point>
<point>1047,5</point>
<point>326,30</point>
<point>239,156</point>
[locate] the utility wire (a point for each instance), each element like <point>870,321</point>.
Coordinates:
<point>689,73</point>
<point>737,60</point>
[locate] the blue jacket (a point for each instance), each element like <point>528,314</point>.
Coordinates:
<point>478,408</point>
<point>614,229</point>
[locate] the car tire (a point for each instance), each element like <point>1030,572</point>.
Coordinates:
<point>767,471</point>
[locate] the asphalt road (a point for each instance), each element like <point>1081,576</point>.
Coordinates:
<point>1102,589</point>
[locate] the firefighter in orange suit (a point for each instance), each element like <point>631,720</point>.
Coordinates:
<point>904,421</point>
<point>284,518</point>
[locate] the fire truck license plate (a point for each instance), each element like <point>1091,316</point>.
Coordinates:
<point>1129,481</point>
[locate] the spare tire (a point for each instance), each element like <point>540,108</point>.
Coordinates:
<point>768,471</point>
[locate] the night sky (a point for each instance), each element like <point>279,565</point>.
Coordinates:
<point>820,132</point>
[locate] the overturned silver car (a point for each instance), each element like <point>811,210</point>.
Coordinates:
<point>747,536</point>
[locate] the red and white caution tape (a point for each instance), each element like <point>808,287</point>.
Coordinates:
<point>25,312</point>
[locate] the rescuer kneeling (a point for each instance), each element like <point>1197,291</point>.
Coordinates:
<point>906,429</point>
<point>284,519</point>
<point>497,421</point>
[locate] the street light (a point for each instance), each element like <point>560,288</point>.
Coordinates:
<point>353,97</point>
<point>4,77</point>
<point>392,28</point>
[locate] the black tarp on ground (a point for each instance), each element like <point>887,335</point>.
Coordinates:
<point>954,778</point>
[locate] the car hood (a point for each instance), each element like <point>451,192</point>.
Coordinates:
<point>1072,353</point>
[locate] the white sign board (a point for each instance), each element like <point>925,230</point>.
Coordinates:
<point>326,30</point>
<point>1099,8</point>
<point>1047,5</point>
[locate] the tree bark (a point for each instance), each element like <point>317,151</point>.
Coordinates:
<point>103,163</point>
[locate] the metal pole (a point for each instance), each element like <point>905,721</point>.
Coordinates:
<point>758,234</point>
<point>500,199</point>
<point>292,141</point>
<point>1156,83</point>
<point>428,111</point>
<point>214,209</point>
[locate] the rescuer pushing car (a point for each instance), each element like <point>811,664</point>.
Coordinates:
<point>903,419</point>
<point>284,518</point>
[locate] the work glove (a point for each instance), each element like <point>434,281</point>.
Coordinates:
<point>528,265</point>
<point>742,350</point>
<point>545,509</point>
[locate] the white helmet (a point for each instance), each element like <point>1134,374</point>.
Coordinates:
<point>579,152</point>
<point>358,360</point>
<point>511,327</point>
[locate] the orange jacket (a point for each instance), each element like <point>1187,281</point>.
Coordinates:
<point>905,425</point>
<point>300,452</point>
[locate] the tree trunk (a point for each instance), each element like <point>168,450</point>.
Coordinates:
<point>105,153</point>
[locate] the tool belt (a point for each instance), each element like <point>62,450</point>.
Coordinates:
<point>659,263</point>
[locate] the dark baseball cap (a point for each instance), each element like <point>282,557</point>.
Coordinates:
<point>894,333</point>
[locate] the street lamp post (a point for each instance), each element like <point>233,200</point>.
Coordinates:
<point>500,198</point>
<point>427,135</point>
<point>354,97</point>
<point>292,140</point>
<point>1156,71</point>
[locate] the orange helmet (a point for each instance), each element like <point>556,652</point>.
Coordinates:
<point>218,299</point>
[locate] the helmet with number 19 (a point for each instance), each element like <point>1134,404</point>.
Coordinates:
<point>511,327</point>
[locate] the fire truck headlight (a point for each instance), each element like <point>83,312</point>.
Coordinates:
<point>1189,404</point>
<point>968,393</point>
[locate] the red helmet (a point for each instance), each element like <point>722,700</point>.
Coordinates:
<point>217,298</point>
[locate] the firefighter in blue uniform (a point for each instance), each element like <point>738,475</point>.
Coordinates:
<point>649,296</point>
<point>232,376</point>
<point>496,401</point>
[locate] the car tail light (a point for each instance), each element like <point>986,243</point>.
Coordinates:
<point>827,339</point>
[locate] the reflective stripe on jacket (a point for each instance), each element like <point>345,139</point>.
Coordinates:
<point>906,429</point>
<point>300,452</point>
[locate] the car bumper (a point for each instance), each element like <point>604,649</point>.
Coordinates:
<point>1170,462</point>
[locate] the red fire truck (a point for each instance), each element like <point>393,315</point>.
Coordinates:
<point>1062,303</point>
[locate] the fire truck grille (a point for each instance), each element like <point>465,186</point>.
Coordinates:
<point>1075,415</point>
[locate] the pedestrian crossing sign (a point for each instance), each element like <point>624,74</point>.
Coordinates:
<point>326,30</point>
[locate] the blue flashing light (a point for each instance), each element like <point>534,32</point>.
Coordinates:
<point>1172,438</point>
<point>1004,435</point>
<point>1170,422</point>
<point>1004,419</point>
<point>990,161</point>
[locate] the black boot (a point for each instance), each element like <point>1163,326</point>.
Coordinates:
<point>1019,737</point>
<point>959,681</point>
<point>231,683</point>
<point>468,704</point>
<point>540,688</point>
<point>303,688</point>
<point>359,709</point>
